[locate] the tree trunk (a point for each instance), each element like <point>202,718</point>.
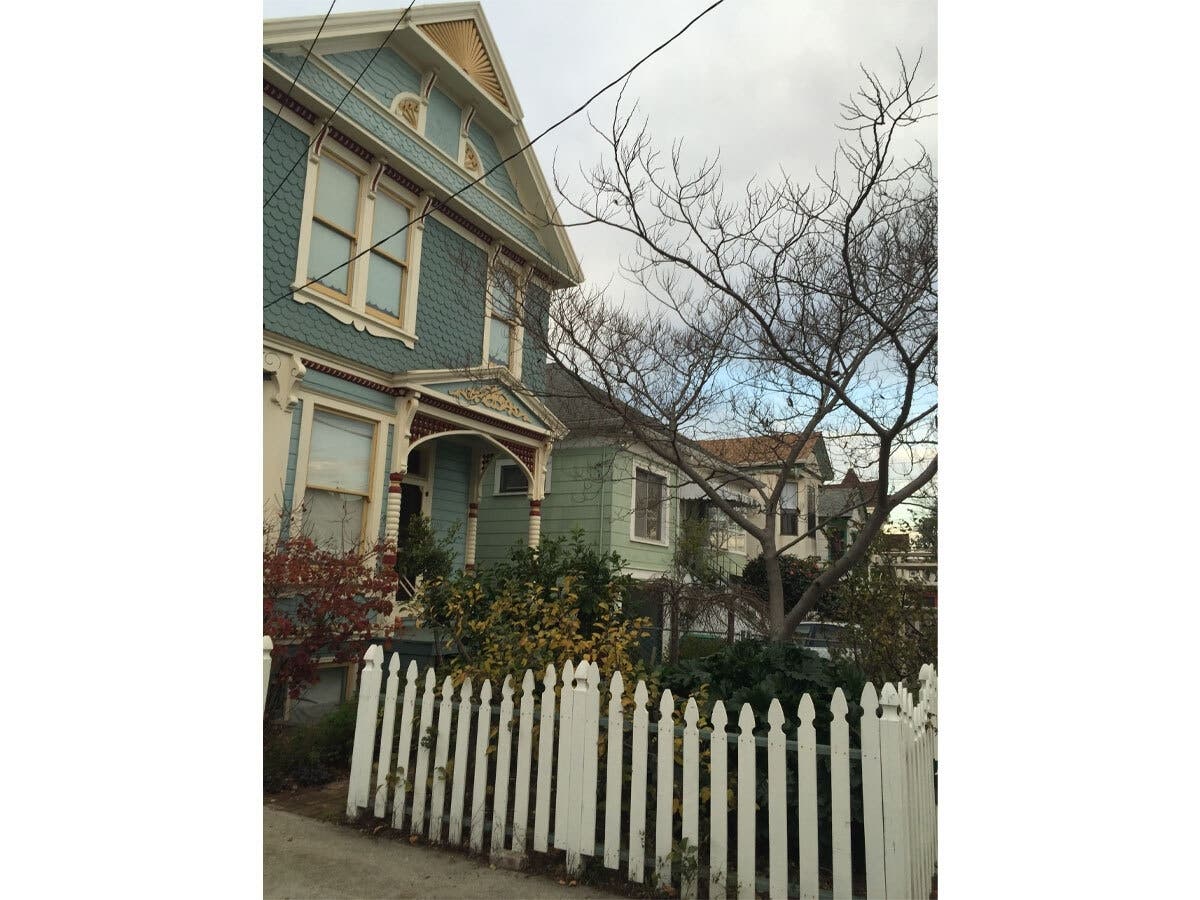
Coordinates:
<point>775,604</point>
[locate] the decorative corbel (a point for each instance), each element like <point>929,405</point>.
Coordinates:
<point>427,83</point>
<point>471,158</point>
<point>382,164</point>
<point>314,154</point>
<point>467,119</point>
<point>406,409</point>
<point>285,370</point>
<point>426,209</point>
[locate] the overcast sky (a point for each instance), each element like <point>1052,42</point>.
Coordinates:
<point>759,80</point>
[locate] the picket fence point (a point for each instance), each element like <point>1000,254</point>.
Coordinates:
<point>719,717</point>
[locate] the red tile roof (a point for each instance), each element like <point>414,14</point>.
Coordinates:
<point>768,449</point>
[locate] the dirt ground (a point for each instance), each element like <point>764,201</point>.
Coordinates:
<point>309,853</point>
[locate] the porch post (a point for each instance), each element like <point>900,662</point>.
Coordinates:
<point>406,407</point>
<point>537,492</point>
<point>474,485</point>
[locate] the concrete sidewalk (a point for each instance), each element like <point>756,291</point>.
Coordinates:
<point>305,858</point>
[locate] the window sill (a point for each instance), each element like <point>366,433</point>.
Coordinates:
<point>362,321</point>
<point>644,540</point>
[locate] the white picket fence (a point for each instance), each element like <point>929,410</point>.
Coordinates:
<point>268,646</point>
<point>898,753</point>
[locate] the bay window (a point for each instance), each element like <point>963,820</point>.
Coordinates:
<point>341,450</point>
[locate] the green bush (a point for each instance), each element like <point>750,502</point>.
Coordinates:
<point>756,672</point>
<point>309,754</point>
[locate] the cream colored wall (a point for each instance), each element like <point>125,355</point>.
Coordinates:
<point>809,546</point>
<point>277,427</point>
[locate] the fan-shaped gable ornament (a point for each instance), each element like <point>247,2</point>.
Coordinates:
<point>461,41</point>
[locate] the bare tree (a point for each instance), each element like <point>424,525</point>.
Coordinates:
<point>782,312</point>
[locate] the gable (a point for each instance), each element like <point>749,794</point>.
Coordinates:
<point>445,63</point>
<point>462,42</point>
<point>493,397</point>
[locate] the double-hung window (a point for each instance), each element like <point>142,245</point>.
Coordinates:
<point>649,492</point>
<point>388,267</point>
<point>504,317</point>
<point>334,237</point>
<point>811,501</point>
<point>789,515</point>
<point>338,484</point>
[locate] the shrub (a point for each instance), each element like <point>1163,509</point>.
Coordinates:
<point>309,754</point>
<point>528,626</point>
<point>321,605</point>
<point>756,672</point>
<point>892,629</point>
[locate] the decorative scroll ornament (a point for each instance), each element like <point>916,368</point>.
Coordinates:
<point>471,159</point>
<point>491,397</point>
<point>285,370</point>
<point>410,110</point>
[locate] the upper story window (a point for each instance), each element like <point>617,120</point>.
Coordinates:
<point>649,502</point>
<point>504,320</point>
<point>334,236</point>
<point>388,268</point>
<point>337,490</point>
<point>789,514</point>
<point>810,500</point>
<point>350,207</point>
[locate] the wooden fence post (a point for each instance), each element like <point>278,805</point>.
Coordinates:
<point>566,700</point>
<point>637,786</point>
<point>524,760</point>
<point>461,748</point>
<point>364,731</point>
<point>385,736</point>
<point>616,750</point>
<point>591,761</point>
<point>839,767</point>
<point>404,746</point>
<point>665,788</point>
<point>545,765</point>
<point>690,832</point>
<point>437,799</point>
<point>268,646</point>
<point>424,739</point>
<point>745,805</point>
<point>479,787</point>
<point>776,801</point>
<point>872,788</point>
<point>718,800</point>
<point>575,767</point>
<point>895,826</point>
<point>503,757</point>
<point>806,783</point>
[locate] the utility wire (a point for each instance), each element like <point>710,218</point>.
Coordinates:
<point>307,52</point>
<point>511,156</point>
<point>349,91</point>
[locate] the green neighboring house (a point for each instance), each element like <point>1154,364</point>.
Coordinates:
<point>602,482</point>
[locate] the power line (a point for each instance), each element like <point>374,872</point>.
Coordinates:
<point>349,91</point>
<point>511,156</point>
<point>307,53</point>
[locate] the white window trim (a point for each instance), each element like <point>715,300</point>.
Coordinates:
<point>517,333</point>
<point>666,506</point>
<point>508,462</point>
<point>355,311</point>
<point>379,463</point>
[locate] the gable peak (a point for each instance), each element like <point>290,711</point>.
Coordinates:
<point>460,40</point>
